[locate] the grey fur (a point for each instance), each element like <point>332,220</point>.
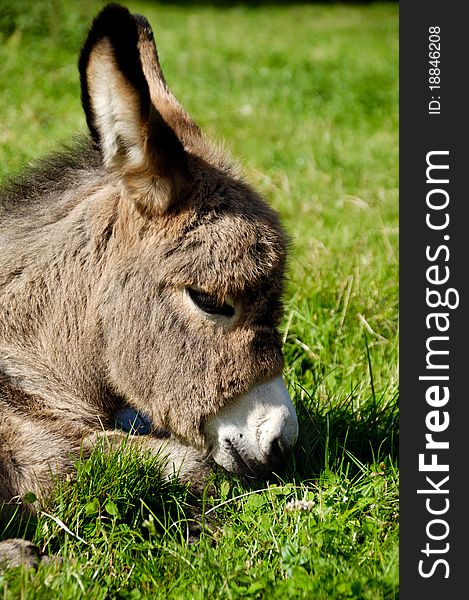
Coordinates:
<point>94,259</point>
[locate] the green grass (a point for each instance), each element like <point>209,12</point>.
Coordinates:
<point>306,98</point>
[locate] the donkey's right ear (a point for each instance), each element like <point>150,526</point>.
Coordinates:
<point>135,141</point>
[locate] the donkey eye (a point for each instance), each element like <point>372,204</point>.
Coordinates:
<point>210,304</point>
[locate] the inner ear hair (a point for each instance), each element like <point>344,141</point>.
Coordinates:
<point>115,26</point>
<point>135,140</point>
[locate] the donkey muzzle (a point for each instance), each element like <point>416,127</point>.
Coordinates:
<point>255,434</point>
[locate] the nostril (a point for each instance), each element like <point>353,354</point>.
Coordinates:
<point>277,451</point>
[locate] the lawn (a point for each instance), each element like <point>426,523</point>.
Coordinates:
<point>305,97</point>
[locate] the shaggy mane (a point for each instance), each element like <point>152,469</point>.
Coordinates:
<point>48,176</point>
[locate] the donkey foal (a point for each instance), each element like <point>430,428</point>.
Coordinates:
<point>138,272</point>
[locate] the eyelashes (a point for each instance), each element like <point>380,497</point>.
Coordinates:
<point>210,304</point>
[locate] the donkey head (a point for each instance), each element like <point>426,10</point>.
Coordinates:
<point>189,298</point>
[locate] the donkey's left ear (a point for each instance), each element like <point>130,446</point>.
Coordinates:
<point>136,142</point>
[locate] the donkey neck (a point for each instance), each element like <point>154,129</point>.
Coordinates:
<point>49,329</point>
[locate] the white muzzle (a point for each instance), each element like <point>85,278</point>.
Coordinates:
<point>254,434</point>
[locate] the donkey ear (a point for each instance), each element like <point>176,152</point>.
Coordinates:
<point>161,96</point>
<point>136,142</point>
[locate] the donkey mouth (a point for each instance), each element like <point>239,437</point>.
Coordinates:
<point>244,465</point>
<point>254,435</point>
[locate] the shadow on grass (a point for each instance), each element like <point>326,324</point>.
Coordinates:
<point>330,437</point>
<point>13,524</point>
<point>108,495</point>
<point>339,438</point>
